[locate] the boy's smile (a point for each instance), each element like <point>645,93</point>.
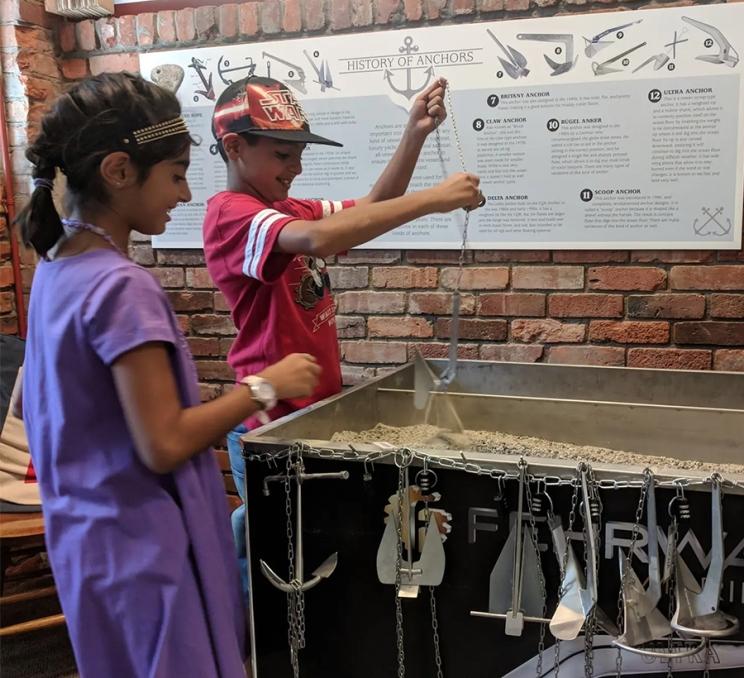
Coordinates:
<point>264,169</point>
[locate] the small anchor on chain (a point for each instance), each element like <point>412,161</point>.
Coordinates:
<point>208,91</point>
<point>326,569</point>
<point>408,91</point>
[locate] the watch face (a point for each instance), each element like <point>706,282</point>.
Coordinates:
<point>264,390</point>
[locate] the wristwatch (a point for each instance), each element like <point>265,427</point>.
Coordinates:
<point>263,393</point>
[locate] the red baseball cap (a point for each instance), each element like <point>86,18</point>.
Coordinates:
<point>264,107</point>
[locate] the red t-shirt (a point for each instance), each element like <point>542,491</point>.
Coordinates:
<point>281,303</point>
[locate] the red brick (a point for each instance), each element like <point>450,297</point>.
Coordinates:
<point>666,306</point>
<point>6,276</point>
<point>585,305</point>
<point>361,12</point>
<point>168,277</point>
<point>226,345</point>
<point>492,278</point>
<point>220,303</point>
<point>145,29</point>
<point>730,360</point>
<point>348,277</point>
<point>214,369</point>
<point>405,277</point>
<point>142,255</point>
<point>351,375</point>
<point>227,20</point>
<point>512,256</point>
<point>484,330</point>
<point>441,350</point>
<point>511,304</point>
<point>590,256</point>
<point>106,29</point>
<point>340,15</point>
<point>374,352</point>
<point>8,325</point>
<point>727,305</point>
<point>181,257</point>
<point>205,23</point>
<point>518,353</point>
<point>491,5</point>
<point>185,31</point>
<point>413,10</point>
<point>86,35</point>
<point>313,15</point>
<point>74,69</point>
<point>114,63</point>
<point>66,36</point>
<point>731,256</point>
<point>434,8</point>
<point>271,16</point>
<point>669,358</point>
<point>587,355</point>
<point>369,257</point>
<point>673,256</point>
<point>166,25</point>
<point>399,327</point>
<point>520,5</point>
<point>199,278</point>
<point>437,257</point>
<point>371,302</point>
<point>190,301</point>
<point>184,322</point>
<point>204,346</point>
<point>248,18</point>
<point>212,324</point>
<point>629,331</point>
<point>385,10</point>
<point>350,326</point>
<point>7,302</point>
<point>292,19</point>
<point>707,277</point>
<point>626,278</point>
<point>126,34</point>
<point>547,331</point>
<point>438,303</point>
<point>547,277</point>
<point>460,7</point>
<point>209,392</point>
<point>716,333</point>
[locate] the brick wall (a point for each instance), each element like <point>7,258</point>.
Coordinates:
<point>667,309</point>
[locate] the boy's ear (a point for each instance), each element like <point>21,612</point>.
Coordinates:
<point>117,170</point>
<point>232,142</point>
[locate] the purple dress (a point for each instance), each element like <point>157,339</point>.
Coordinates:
<point>144,563</point>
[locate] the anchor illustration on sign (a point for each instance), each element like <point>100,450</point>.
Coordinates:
<point>327,567</point>
<point>408,91</point>
<point>707,227</point>
<point>322,72</point>
<point>208,91</point>
<point>223,66</point>
<point>297,82</point>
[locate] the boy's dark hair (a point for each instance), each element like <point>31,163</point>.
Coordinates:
<point>92,119</point>
<point>251,140</point>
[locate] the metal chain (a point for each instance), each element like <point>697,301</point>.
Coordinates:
<point>435,632</point>
<point>564,565</point>
<point>628,560</point>
<point>402,470</point>
<point>671,555</point>
<point>295,598</point>
<point>591,626</point>
<point>706,665</point>
<point>540,581</point>
<point>474,468</point>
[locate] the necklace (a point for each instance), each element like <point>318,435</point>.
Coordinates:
<point>73,226</point>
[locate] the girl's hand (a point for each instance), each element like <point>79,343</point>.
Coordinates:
<point>458,190</point>
<point>428,111</point>
<point>295,376</point>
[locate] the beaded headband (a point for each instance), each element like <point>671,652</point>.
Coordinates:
<point>158,131</point>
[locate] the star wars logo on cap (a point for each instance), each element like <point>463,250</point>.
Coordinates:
<point>280,106</point>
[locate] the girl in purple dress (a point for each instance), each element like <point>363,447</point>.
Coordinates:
<point>137,524</point>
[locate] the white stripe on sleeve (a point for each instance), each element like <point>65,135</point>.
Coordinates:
<point>252,249</point>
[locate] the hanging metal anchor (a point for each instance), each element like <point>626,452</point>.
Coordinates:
<point>297,82</point>
<point>726,52</point>
<point>401,526</point>
<point>697,612</point>
<point>643,620</point>
<point>578,593</point>
<point>329,564</point>
<point>517,562</point>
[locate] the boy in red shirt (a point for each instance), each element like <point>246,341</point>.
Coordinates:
<point>265,251</point>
